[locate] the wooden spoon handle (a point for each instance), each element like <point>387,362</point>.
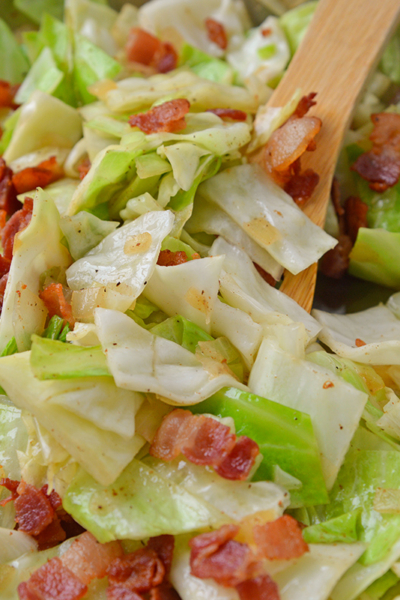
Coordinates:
<point>341,47</point>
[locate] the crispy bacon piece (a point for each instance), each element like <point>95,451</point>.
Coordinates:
<point>204,441</point>
<point>167,258</point>
<point>229,113</point>
<point>56,304</point>
<point>258,588</point>
<point>208,441</point>
<point>240,460</point>
<point>167,442</point>
<point>380,166</point>
<point>16,223</point>
<point>266,276</point>
<point>164,592</point>
<point>33,509</point>
<point>304,105</point>
<point>8,193</point>
<point>168,117</point>
<point>7,94</point>
<point>216,33</point>
<point>359,343</point>
<point>289,142</point>
<point>84,168</point>
<point>355,216</point>
<point>52,581</point>
<point>144,48</point>
<point>336,261</point>
<point>138,571</point>
<point>88,559</point>
<point>30,178</point>
<point>280,539</point>
<point>119,592</point>
<point>12,487</point>
<point>218,556</point>
<point>301,186</point>
<point>163,545</point>
<point>53,535</point>
<point>53,497</point>
<point>3,284</point>
<point>281,155</point>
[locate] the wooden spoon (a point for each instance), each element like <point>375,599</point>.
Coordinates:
<point>342,45</point>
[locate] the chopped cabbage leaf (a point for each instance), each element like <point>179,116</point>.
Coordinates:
<point>14,544</point>
<point>295,23</point>
<point>371,336</point>
<point>51,359</point>
<point>210,219</point>
<point>189,289</point>
<point>243,287</point>
<point>181,331</point>
<point>13,62</point>
<point>44,75</point>
<point>127,255</point>
<point>268,215</point>
<point>372,257</point>
<point>285,437</point>
<point>141,503</point>
<point>237,499</point>
<point>335,406</point>
<point>84,231</point>
<point>141,361</point>
<point>90,418</point>
<point>36,249</point>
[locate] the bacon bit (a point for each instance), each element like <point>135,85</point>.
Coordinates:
<point>380,166</point>
<point>52,581</point>
<point>229,113</point>
<point>328,384</point>
<point>7,94</point>
<point>239,462</point>
<point>163,545</point>
<point>167,58</point>
<point>204,441</point>
<point>280,539</point>
<point>359,343</point>
<point>17,222</point>
<point>167,258</point>
<point>207,441</point>
<point>3,284</point>
<point>302,185</point>
<point>144,48</point>
<point>167,442</point>
<point>164,592</point>
<point>8,194</point>
<point>304,105</point>
<point>266,32</point>
<point>88,559</point>
<point>84,168</point>
<point>258,588</point>
<point>3,219</point>
<point>53,497</point>
<point>56,304</point>
<point>355,216</point>
<point>289,142</point>
<point>336,261</point>
<point>33,509</point>
<point>138,571</point>
<point>216,33</point>
<point>12,487</point>
<point>30,178</point>
<point>53,535</point>
<point>266,276</point>
<point>168,117</point>
<point>119,592</point>
<point>216,555</point>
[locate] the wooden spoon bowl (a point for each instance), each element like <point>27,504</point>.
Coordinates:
<point>342,46</point>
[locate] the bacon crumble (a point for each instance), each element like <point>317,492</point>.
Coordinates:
<point>8,194</point>
<point>167,117</point>
<point>167,258</point>
<point>280,539</point>
<point>204,441</point>
<point>30,178</point>
<point>258,588</point>
<point>7,94</point>
<point>144,48</point>
<point>55,302</point>
<point>380,166</point>
<point>52,581</point>
<point>216,33</point>
<point>229,113</point>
